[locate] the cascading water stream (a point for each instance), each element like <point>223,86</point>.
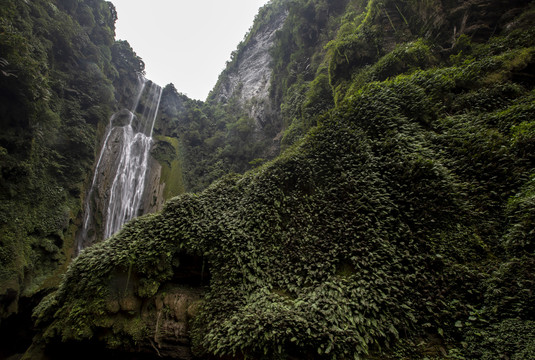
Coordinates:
<point>128,185</point>
<point>118,184</point>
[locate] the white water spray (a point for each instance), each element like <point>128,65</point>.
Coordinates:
<point>118,184</point>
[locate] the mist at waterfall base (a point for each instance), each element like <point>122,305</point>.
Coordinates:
<point>118,183</point>
<point>185,42</point>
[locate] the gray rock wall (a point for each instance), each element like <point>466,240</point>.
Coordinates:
<point>250,80</point>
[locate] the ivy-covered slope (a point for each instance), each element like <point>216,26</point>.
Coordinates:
<point>61,76</point>
<point>399,227</point>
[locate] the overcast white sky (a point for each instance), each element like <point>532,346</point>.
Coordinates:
<point>185,42</point>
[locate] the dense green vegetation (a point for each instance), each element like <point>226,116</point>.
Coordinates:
<point>214,139</point>
<point>398,225</point>
<point>61,77</point>
<point>397,222</point>
<point>220,137</point>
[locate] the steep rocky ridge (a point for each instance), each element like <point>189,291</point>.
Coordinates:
<point>241,124</point>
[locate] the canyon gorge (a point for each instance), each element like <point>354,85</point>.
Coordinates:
<point>359,184</point>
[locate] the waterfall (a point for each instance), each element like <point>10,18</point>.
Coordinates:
<point>118,183</point>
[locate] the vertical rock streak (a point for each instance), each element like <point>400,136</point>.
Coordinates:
<point>118,183</point>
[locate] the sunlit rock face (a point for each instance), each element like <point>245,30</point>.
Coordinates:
<point>250,79</point>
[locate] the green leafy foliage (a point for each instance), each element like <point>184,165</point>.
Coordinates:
<point>512,338</point>
<point>384,224</point>
<point>396,224</point>
<point>60,70</point>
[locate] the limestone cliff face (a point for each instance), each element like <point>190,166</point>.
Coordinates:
<point>198,142</point>
<point>164,177</point>
<point>249,78</point>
